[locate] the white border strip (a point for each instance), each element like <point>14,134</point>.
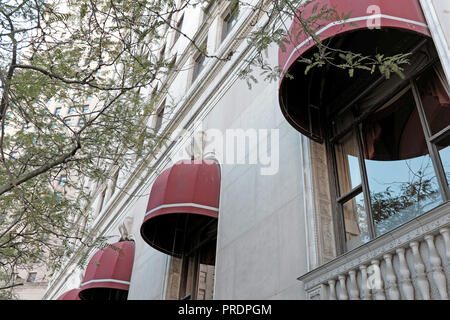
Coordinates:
<point>182,205</point>
<point>375,16</point>
<point>105,280</point>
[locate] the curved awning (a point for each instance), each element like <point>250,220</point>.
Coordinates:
<point>402,15</point>
<point>70,295</point>
<point>108,273</point>
<point>184,199</point>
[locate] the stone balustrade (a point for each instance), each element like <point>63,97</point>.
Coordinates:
<point>411,262</point>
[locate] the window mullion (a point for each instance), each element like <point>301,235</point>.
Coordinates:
<point>434,154</point>
<point>365,184</point>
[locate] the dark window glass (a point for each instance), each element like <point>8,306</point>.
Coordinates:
<point>435,100</point>
<point>159,118</point>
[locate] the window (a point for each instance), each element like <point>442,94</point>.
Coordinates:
<point>85,109</point>
<point>31,277</point>
<point>62,181</point>
<point>179,27</point>
<point>159,117</point>
<point>57,111</point>
<point>199,63</point>
<point>162,53</point>
<point>67,122</point>
<point>198,266</point>
<point>230,21</point>
<point>81,122</point>
<point>71,110</point>
<point>391,160</point>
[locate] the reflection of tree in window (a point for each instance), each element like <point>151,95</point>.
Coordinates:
<point>401,178</point>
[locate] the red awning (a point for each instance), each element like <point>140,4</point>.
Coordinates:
<point>399,14</point>
<point>109,268</point>
<point>70,295</point>
<point>183,197</point>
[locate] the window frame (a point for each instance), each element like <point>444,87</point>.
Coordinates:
<point>199,61</point>
<point>331,140</point>
<point>232,13</point>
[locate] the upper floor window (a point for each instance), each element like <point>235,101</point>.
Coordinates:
<point>31,277</point>
<point>178,29</point>
<point>199,62</point>
<point>57,111</point>
<point>62,181</point>
<point>85,108</point>
<point>71,110</point>
<point>230,21</point>
<point>159,117</point>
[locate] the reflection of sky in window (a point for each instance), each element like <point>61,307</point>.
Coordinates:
<point>445,158</point>
<point>394,174</point>
<point>355,174</point>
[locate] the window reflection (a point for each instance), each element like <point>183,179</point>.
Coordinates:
<point>355,222</point>
<point>347,164</point>
<point>401,177</point>
<point>444,153</point>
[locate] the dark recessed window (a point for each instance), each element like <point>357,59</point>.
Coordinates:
<point>178,30</point>
<point>230,21</point>
<point>199,64</point>
<point>159,117</point>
